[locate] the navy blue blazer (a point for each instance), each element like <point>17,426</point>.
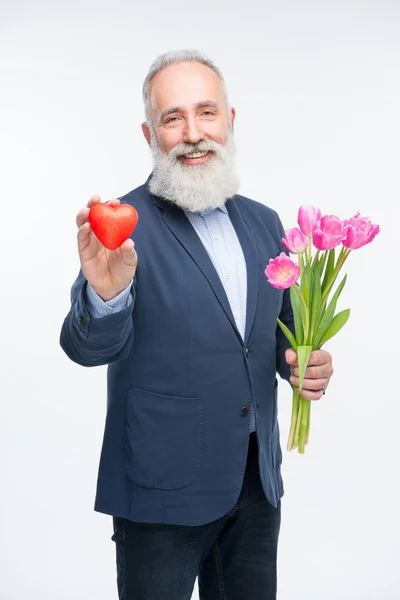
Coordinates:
<point>181,381</point>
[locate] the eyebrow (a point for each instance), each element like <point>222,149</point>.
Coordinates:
<point>177,109</point>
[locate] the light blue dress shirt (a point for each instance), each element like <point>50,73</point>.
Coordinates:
<point>219,238</point>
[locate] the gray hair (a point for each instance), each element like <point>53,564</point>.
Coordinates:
<point>172,58</point>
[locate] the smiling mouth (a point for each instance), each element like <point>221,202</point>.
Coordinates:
<point>195,157</point>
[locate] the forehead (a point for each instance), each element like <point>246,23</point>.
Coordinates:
<point>185,84</point>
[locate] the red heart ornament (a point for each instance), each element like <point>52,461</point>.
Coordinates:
<point>112,225</point>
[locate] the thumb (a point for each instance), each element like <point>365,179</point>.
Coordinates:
<point>128,253</point>
<point>83,236</point>
<point>291,356</point>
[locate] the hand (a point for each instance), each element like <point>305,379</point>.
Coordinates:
<point>317,375</point>
<point>108,271</point>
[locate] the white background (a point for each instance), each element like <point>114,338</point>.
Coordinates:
<point>317,92</point>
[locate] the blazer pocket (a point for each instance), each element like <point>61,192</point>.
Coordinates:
<point>163,439</point>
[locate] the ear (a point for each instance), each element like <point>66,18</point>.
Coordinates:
<point>233,117</point>
<point>146,132</point>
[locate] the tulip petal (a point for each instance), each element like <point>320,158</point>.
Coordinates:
<point>282,272</point>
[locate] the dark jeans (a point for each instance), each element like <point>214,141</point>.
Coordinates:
<point>234,557</point>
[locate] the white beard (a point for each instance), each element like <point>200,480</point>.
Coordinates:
<point>195,188</point>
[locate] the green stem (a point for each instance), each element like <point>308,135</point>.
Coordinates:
<point>344,254</point>
<point>316,257</point>
<point>323,263</point>
<point>308,424</point>
<point>304,424</point>
<point>295,407</point>
<point>305,315</point>
<point>309,248</point>
<point>300,261</point>
<point>320,314</point>
<point>298,423</point>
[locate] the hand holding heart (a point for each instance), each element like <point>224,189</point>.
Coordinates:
<point>108,271</point>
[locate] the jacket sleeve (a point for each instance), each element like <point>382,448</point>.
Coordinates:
<point>286,316</point>
<point>282,343</point>
<point>91,341</point>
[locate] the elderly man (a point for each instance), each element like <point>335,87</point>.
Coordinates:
<point>186,320</point>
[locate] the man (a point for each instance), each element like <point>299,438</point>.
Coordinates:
<point>186,320</point>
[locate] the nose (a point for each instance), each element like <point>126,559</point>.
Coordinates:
<point>192,133</point>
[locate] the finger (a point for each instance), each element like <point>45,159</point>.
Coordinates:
<point>315,372</point>
<point>82,217</point>
<point>93,200</point>
<point>319,357</point>
<point>309,395</point>
<point>319,371</point>
<point>310,384</point>
<point>83,236</point>
<point>128,253</point>
<point>291,356</point>
<point>114,202</point>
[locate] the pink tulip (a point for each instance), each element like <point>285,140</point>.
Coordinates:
<point>329,232</point>
<point>295,241</point>
<point>307,218</point>
<point>282,272</point>
<point>360,231</point>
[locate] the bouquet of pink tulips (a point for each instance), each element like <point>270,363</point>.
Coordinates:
<point>315,321</point>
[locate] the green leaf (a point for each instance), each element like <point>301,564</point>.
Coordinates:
<point>328,314</point>
<point>309,304</point>
<point>316,324</point>
<point>305,284</point>
<point>336,325</point>
<point>303,261</point>
<point>330,267</point>
<point>315,259</point>
<point>298,321</point>
<point>315,299</point>
<point>322,261</point>
<point>288,334</point>
<point>303,356</point>
<point>321,310</point>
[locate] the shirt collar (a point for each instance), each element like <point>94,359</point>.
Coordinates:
<point>208,211</point>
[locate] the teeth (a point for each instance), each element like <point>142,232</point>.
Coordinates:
<point>196,154</point>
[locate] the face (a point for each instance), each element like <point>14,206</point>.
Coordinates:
<point>191,138</point>
<point>188,105</point>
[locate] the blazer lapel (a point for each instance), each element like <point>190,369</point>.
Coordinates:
<point>182,229</point>
<point>246,239</point>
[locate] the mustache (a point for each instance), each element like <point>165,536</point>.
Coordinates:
<point>185,148</point>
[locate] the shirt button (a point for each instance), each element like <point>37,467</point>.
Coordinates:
<point>245,410</point>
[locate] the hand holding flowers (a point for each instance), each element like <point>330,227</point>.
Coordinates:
<point>314,314</point>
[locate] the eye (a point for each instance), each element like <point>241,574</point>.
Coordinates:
<point>171,119</point>
<point>208,113</point>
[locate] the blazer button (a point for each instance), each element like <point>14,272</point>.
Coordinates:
<point>246,351</point>
<point>245,410</point>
